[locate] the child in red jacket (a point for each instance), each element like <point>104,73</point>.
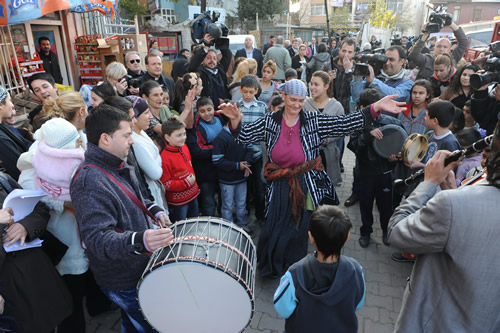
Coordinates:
<point>178,176</point>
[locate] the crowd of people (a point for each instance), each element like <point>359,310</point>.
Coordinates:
<point>261,131</point>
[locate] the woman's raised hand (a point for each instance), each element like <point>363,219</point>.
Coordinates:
<point>388,104</point>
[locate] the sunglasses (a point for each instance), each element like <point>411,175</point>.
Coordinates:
<point>135,61</point>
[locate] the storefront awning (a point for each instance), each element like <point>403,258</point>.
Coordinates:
<point>20,11</point>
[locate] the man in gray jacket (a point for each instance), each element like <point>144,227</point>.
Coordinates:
<point>425,62</point>
<point>281,57</point>
<point>454,283</point>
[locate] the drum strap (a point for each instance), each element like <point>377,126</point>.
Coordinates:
<point>131,195</point>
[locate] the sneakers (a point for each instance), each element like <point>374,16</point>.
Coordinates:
<point>364,241</point>
<point>384,238</point>
<point>351,200</point>
<point>403,257</point>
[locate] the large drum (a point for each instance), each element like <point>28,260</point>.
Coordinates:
<point>203,282</point>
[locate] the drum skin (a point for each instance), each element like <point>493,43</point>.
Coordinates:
<point>414,148</point>
<point>391,142</point>
<point>204,281</point>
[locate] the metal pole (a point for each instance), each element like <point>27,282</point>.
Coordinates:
<point>327,21</point>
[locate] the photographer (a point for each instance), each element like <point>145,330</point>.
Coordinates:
<point>115,74</point>
<point>133,63</point>
<point>392,80</point>
<point>486,109</point>
<point>212,73</point>
<point>425,62</point>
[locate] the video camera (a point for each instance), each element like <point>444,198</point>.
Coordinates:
<point>131,82</point>
<point>206,24</point>
<point>492,67</point>
<point>396,40</point>
<point>376,60</point>
<point>438,19</point>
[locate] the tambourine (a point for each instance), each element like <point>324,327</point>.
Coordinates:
<point>414,148</point>
<point>391,142</point>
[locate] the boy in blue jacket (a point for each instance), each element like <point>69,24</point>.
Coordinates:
<point>231,161</point>
<point>324,290</point>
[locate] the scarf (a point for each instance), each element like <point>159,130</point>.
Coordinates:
<point>398,76</point>
<point>272,171</point>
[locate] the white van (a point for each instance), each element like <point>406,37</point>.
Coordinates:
<point>237,42</point>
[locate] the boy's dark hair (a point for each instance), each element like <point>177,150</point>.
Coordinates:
<point>42,39</point>
<point>204,101</point>
<point>249,81</point>
<point>41,76</point>
<point>467,137</point>
<point>121,103</point>
<point>468,103</point>
<point>369,96</point>
<point>458,121</point>
<point>330,227</point>
<point>444,111</point>
<point>322,48</point>
<point>290,72</point>
<point>104,119</point>
<point>104,90</point>
<point>172,124</point>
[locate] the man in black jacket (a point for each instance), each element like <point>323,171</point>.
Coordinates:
<point>212,73</point>
<point>425,62</point>
<point>486,109</point>
<point>50,62</point>
<point>250,52</point>
<point>154,72</point>
<point>179,68</point>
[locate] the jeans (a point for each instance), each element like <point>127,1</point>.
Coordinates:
<point>207,197</point>
<point>236,193</point>
<point>178,213</point>
<point>377,188</point>
<point>132,318</point>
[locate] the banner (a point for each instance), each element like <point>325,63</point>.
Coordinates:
<point>20,11</point>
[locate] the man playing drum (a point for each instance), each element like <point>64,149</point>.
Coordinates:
<point>111,214</point>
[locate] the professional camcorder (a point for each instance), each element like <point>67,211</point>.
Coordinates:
<point>438,19</point>
<point>396,40</point>
<point>492,67</point>
<point>207,24</point>
<point>376,60</point>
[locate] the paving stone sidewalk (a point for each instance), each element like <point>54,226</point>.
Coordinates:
<point>385,280</point>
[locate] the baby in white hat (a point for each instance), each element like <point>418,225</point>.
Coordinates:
<point>58,155</point>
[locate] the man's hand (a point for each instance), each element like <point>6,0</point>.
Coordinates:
<point>244,166</point>
<point>449,182</point>
<point>346,63</point>
<point>158,238</point>
<point>163,220</point>
<point>6,216</point>
<point>388,104</point>
<point>377,134</point>
<point>435,171</point>
<point>14,233</point>
<point>371,77</point>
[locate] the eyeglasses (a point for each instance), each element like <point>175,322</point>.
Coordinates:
<point>135,60</point>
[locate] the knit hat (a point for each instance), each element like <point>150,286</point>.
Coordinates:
<point>3,94</point>
<point>294,87</point>
<point>59,133</point>
<point>139,104</point>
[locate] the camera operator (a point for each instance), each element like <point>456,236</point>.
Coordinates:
<point>212,73</point>
<point>133,63</point>
<point>115,74</point>
<point>392,81</point>
<point>485,109</point>
<point>154,71</point>
<point>425,62</point>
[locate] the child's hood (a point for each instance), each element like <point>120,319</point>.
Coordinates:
<point>344,284</point>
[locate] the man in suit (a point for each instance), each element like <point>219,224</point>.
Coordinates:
<point>250,52</point>
<point>154,71</point>
<point>454,283</point>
